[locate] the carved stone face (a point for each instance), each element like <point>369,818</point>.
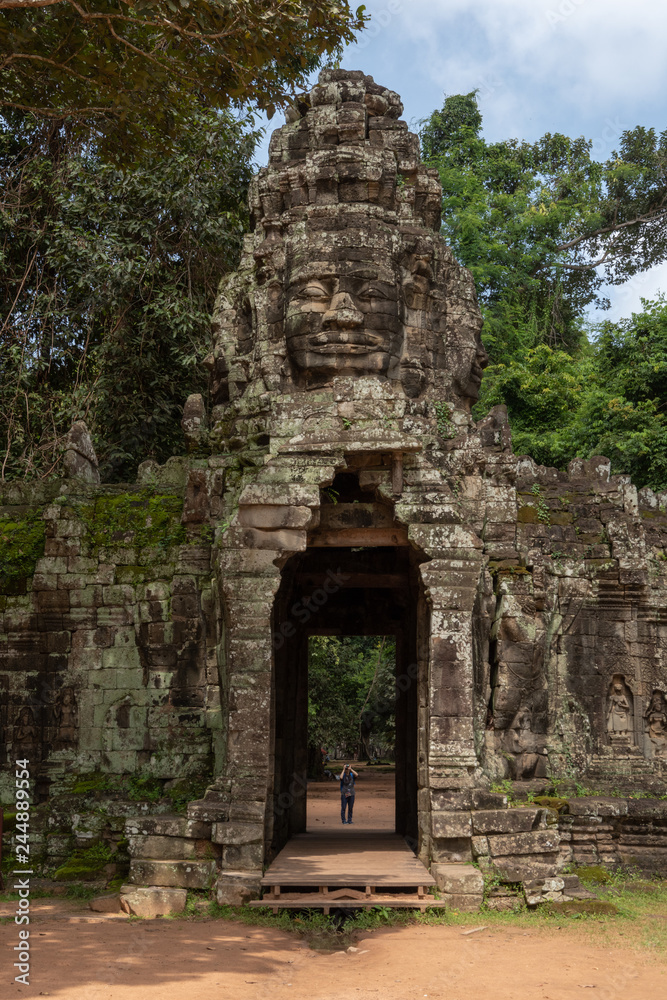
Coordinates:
<point>342,319</point>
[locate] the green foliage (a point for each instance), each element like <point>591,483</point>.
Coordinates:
<point>109,274</point>
<point>609,398</point>
<point>21,545</point>
<point>351,691</point>
<point>443,416</point>
<point>542,225</point>
<point>130,71</point>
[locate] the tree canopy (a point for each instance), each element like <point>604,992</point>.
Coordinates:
<point>609,398</point>
<point>129,69</point>
<point>543,226</point>
<point>351,692</point>
<point>109,275</point>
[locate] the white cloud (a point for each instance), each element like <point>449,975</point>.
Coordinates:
<point>552,63</point>
<point>626,299</point>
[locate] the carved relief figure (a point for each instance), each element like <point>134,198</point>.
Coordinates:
<point>656,724</point>
<point>619,711</point>
<point>525,746</point>
<point>67,718</point>
<point>24,727</point>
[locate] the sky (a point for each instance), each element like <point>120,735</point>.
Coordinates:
<point>580,67</point>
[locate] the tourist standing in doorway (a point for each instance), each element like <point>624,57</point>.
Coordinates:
<point>347,777</point>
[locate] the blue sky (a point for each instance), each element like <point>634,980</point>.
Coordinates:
<point>581,67</point>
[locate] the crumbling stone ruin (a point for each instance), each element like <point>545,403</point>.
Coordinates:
<point>155,635</point>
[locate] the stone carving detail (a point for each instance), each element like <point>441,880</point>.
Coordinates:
<point>345,273</point>
<point>66,715</point>
<point>25,731</point>
<point>656,724</point>
<point>620,716</point>
<point>80,458</point>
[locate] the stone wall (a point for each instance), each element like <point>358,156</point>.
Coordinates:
<point>108,655</point>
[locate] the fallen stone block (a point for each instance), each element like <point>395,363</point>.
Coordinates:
<point>109,903</point>
<point>537,891</point>
<point>237,888</point>
<point>152,901</point>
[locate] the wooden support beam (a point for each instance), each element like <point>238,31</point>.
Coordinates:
<point>358,538</point>
<point>397,473</point>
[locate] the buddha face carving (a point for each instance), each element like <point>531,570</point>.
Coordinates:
<point>342,319</point>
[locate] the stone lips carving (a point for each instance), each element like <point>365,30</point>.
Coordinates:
<point>345,272</point>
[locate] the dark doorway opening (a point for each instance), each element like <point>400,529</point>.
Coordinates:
<point>343,592</point>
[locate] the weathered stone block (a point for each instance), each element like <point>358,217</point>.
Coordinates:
<point>463,902</point>
<point>152,901</point>
<point>184,874</point>
<point>161,848</point>
<point>237,833</point>
<point>524,843</point>
<point>109,903</point>
<point>451,824</point>
<point>236,888</point>
<point>526,867</point>
<point>505,820</point>
<point>458,879</point>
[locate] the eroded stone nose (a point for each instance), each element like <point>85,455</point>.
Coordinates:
<point>342,313</point>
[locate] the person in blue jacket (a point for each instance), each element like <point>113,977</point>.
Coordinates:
<point>347,778</point>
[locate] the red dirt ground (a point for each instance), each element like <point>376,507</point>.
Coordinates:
<point>80,956</point>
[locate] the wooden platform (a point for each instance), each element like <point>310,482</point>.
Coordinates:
<point>346,869</point>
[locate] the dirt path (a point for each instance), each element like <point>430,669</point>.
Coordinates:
<point>115,959</point>
<point>373,806</point>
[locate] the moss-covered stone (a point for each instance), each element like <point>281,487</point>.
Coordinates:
<point>551,802</point>
<point>22,541</point>
<point>139,519</point>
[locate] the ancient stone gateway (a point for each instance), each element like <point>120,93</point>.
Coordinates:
<point>340,484</point>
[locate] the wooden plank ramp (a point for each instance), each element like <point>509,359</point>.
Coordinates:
<point>324,870</point>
